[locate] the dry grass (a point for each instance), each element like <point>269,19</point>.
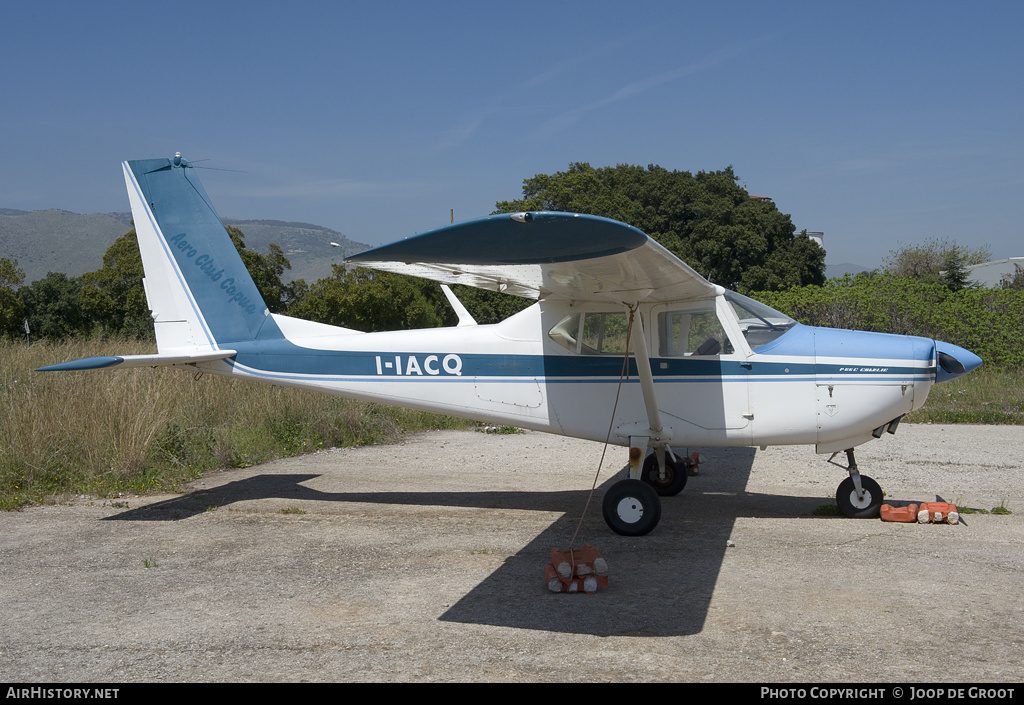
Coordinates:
<point>138,430</point>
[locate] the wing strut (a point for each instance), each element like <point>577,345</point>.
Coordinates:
<point>631,507</point>
<point>656,434</point>
<point>465,317</point>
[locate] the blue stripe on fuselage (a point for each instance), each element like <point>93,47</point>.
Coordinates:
<point>782,360</point>
<point>283,359</point>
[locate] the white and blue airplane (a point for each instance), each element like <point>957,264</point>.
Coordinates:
<point>704,366</point>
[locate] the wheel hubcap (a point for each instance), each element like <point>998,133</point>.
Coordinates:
<point>860,503</point>
<point>630,510</point>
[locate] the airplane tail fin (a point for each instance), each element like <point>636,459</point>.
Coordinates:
<point>199,291</point>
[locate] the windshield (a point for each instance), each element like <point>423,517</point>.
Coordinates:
<point>760,323</point>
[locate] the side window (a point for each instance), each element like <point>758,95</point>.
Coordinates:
<point>686,333</point>
<point>604,333</point>
<point>599,334</point>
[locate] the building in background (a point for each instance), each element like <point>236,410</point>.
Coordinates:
<point>991,274</point>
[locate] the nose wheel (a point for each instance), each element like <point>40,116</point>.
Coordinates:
<point>865,505</point>
<point>858,496</point>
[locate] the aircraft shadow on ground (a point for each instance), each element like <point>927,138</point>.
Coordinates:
<point>660,584</point>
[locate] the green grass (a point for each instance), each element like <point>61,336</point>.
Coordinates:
<point>985,396</point>
<point>1002,508</point>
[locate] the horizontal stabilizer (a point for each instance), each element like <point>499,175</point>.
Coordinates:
<point>99,363</point>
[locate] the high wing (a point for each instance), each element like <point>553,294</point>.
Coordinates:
<point>545,255</point>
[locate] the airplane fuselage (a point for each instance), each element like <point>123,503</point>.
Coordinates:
<point>828,388</point>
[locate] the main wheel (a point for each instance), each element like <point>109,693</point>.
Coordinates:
<point>631,508</point>
<point>675,475</point>
<point>865,507</point>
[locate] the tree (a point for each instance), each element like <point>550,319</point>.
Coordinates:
<point>707,220</point>
<point>53,308</point>
<point>954,270</point>
<point>114,295</point>
<point>11,305</point>
<point>368,300</point>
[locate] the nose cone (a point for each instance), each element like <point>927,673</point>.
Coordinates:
<point>953,361</point>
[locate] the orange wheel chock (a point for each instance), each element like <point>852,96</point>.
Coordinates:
<point>924,513</point>
<point>578,570</point>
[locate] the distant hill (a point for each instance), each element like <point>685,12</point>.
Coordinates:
<point>62,241</point>
<point>56,241</point>
<point>307,247</point>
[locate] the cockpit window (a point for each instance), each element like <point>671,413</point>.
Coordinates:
<point>599,334</point>
<point>760,324</point>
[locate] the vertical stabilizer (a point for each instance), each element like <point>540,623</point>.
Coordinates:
<point>198,288</point>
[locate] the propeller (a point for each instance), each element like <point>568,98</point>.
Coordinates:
<point>954,361</point>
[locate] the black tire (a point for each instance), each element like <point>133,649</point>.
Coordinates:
<point>631,508</point>
<point>676,475</point>
<point>855,507</point>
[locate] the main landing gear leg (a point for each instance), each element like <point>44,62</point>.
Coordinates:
<point>631,507</point>
<point>858,496</point>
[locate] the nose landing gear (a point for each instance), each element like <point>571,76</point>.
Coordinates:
<point>858,496</point>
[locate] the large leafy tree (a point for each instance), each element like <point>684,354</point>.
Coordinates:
<point>52,307</point>
<point>706,219</point>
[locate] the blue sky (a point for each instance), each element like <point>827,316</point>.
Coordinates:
<point>878,123</point>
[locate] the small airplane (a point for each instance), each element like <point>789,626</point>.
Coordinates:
<point>624,343</point>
